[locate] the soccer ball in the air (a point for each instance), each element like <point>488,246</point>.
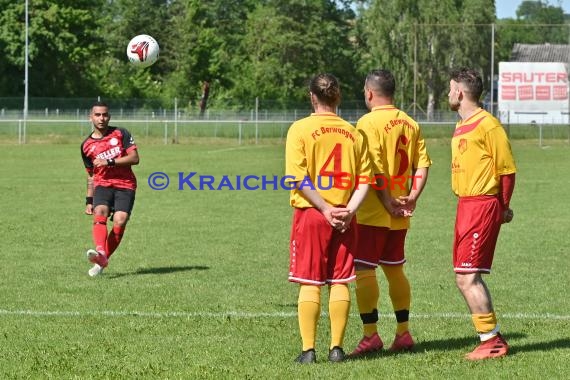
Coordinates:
<point>143,50</point>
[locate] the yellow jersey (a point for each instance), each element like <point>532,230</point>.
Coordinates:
<point>330,153</point>
<point>396,148</point>
<point>480,153</point>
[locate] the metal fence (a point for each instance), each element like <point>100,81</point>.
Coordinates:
<point>232,129</point>
<point>169,126</point>
<point>238,126</point>
<point>350,114</point>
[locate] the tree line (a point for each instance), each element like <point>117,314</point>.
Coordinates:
<point>264,49</point>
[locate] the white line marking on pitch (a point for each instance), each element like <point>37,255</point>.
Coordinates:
<point>246,315</point>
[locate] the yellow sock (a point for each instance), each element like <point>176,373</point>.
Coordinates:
<point>400,294</point>
<point>339,307</point>
<point>309,310</point>
<point>485,324</point>
<point>367,295</point>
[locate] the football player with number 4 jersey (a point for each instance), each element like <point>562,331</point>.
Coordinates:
<point>108,154</point>
<point>328,170</point>
<point>400,163</point>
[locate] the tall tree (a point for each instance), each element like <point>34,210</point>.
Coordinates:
<point>62,44</point>
<point>288,42</point>
<point>421,40</point>
<point>437,21</point>
<point>387,35</point>
<point>121,20</point>
<point>473,45</point>
<point>204,37</point>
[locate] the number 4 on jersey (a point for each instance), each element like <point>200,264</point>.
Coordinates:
<point>335,160</point>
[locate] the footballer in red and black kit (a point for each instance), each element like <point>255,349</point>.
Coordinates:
<point>116,142</point>
<point>108,154</point>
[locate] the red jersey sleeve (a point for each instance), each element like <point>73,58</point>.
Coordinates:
<point>88,162</point>
<point>127,140</point>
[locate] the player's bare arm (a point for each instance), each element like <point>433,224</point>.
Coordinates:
<point>89,195</point>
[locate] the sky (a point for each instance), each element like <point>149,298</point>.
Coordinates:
<point>508,8</point>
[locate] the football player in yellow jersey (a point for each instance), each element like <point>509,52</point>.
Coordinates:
<point>328,170</point>
<point>400,163</point>
<point>483,177</point>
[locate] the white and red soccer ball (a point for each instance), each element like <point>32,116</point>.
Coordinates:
<point>143,50</point>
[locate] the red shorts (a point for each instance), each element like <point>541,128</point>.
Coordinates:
<point>380,245</point>
<point>318,253</point>
<point>477,226</point>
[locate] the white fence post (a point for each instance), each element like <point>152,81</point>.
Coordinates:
<point>256,119</point>
<point>165,132</point>
<point>539,132</point>
<point>239,132</point>
<point>175,120</point>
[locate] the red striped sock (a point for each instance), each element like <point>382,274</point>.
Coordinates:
<point>114,239</point>
<point>100,233</point>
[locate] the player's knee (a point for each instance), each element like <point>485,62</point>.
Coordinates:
<point>339,292</point>
<point>309,293</point>
<point>464,281</point>
<point>394,272</point>
<point>120,218</point>
<point>101,211</point>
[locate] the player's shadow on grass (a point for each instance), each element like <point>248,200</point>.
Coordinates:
<point>539,346</point>
<point>469,342</point>
<point>462,343</point>
<point>512,338</point>
<point>457,343</point>
<point>288,305</point>
<point>159,270</point>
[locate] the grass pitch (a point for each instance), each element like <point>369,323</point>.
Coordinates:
<point>198,288</point>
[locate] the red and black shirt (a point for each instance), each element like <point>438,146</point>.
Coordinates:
<point>117,142</point>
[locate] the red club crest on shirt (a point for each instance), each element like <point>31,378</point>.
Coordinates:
<point>462,146</point>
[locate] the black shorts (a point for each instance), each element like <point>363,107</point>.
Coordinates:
<point>115,199</point>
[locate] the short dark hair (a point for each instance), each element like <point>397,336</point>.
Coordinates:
<point>326,88</point>
<point>99,104</point>
<point>381,82</point>
<point>471,79</point>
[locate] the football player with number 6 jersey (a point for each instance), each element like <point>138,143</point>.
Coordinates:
<point>400,162</point>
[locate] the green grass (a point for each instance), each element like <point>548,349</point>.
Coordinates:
<point>198,288</point>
